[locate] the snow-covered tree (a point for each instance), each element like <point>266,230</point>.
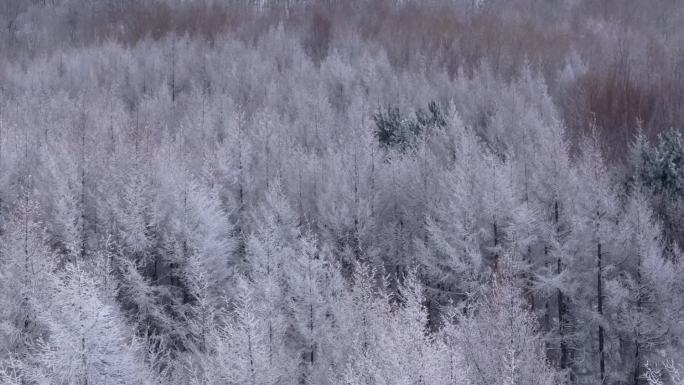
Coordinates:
<point>247,352</point>
<point>26,278</point>
<point>645,281</point>
<point>499,338</point>
<point>88,339</point>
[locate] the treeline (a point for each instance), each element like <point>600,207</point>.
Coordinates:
<point>608,64</point>
<point>299,198</point>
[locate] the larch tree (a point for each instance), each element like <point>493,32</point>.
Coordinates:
<point>596,218</point>
<point>88,340</point>
<point>246,350</point>
<point>499,337</point>
<point>27,278</point>
<point>646,280</point>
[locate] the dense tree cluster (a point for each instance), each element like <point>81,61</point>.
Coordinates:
<point>271,204</point>
<point>393,130</point>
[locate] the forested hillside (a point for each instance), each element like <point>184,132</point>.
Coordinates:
<point>362,192</point>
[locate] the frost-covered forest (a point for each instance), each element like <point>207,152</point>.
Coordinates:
<point>359,192</point>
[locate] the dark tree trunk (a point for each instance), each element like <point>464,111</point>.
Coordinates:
<point>563,359</point>
<point>599,295</point>
<point>637,374</point>
<point>496,245</point>
<point>83,192</point>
